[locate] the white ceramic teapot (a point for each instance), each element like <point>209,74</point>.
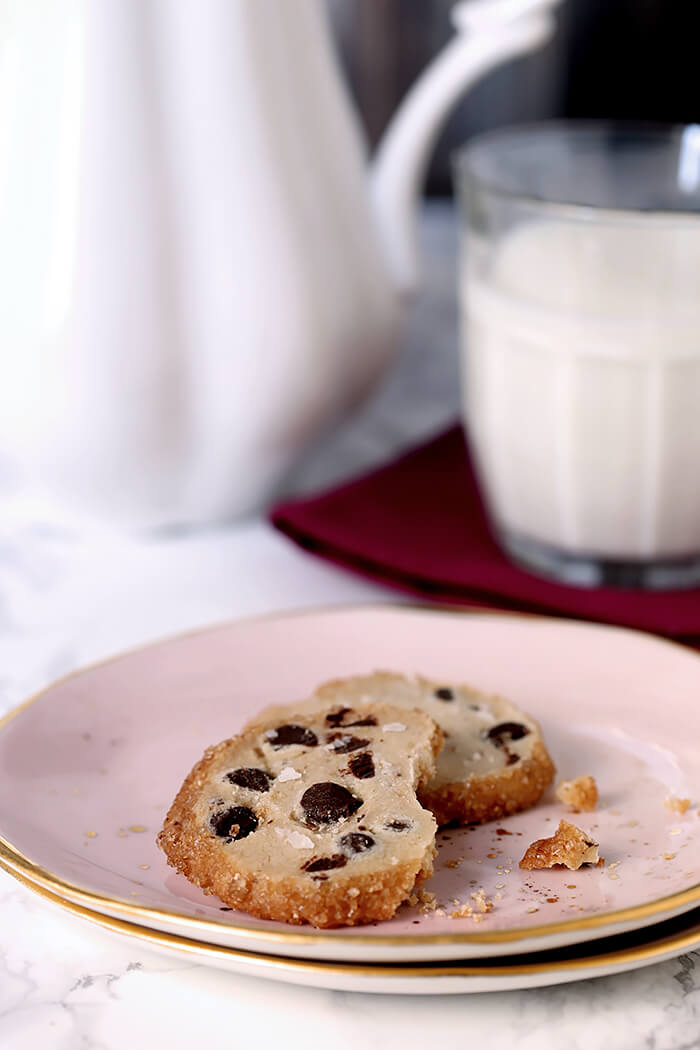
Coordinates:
<point>199,271</point>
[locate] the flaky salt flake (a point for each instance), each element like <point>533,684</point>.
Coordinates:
<point>288,773</point>
<point>295,839</point>
<point>393,727</point>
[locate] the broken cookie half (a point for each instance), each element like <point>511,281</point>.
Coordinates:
<point>313,819</point>
<point>494,762</point>
<point>568,847</point>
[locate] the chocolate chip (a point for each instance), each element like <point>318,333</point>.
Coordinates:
<point>326,803</point>
<point>362,766</point>
<point>285,736</point>
<point>398,825</point>
<point>355,842</point>
<point>235,823</point>
<point>336,860</point>
<point>335,718</point>
<point>343,743</point>
<point>251,778</point>
<point>511,758</point>
<point>505,731</point>
<point>338,719</point>
<point>444,694</point>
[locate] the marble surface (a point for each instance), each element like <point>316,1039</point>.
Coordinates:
<point>68,599</point>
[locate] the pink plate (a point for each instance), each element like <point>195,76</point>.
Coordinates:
<point>89,767</point>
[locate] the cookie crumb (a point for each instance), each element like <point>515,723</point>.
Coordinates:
<point>427,900</point>
<point>481,906</point>
<point>581,793</point>
<point>464,911</point>
<point>482,902</point>
<point>452,863</point>
<point>676,805</point>
<point>669,856</point>
<point>569,847</point>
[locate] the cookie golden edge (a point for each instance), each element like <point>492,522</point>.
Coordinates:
<point>194,853</point>
<point>481,799</point>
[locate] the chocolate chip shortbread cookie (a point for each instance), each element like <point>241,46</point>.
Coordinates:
<point>494,761</point>
<point>311,818</point>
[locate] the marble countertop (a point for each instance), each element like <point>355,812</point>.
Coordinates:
<point>67,600</point>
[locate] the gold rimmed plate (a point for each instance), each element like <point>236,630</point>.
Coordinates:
<point>89,767</point>
<point>601,958</point>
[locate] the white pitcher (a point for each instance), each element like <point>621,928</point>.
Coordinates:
<point>198,271</point>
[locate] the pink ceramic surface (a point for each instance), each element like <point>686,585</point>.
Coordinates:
<point>89,768</point>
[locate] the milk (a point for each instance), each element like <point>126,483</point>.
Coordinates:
<point>582,383</point>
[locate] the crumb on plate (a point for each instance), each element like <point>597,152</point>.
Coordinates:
<point>581,793</point>
<point>676,805</point>
<point>481,906</point>
<point>568,846</point>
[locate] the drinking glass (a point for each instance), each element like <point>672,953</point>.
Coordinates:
<point>580,293</point>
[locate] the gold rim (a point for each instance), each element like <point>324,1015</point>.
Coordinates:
<point>14,861</point>
<point>673,943</point>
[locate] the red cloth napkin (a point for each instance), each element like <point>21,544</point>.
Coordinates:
<point>418,524</point>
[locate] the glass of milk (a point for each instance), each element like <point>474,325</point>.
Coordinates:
<point>580,289</point>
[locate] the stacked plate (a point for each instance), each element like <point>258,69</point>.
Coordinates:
<point>89,767</point>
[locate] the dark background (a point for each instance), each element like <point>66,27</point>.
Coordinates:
<point>614,59</point>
